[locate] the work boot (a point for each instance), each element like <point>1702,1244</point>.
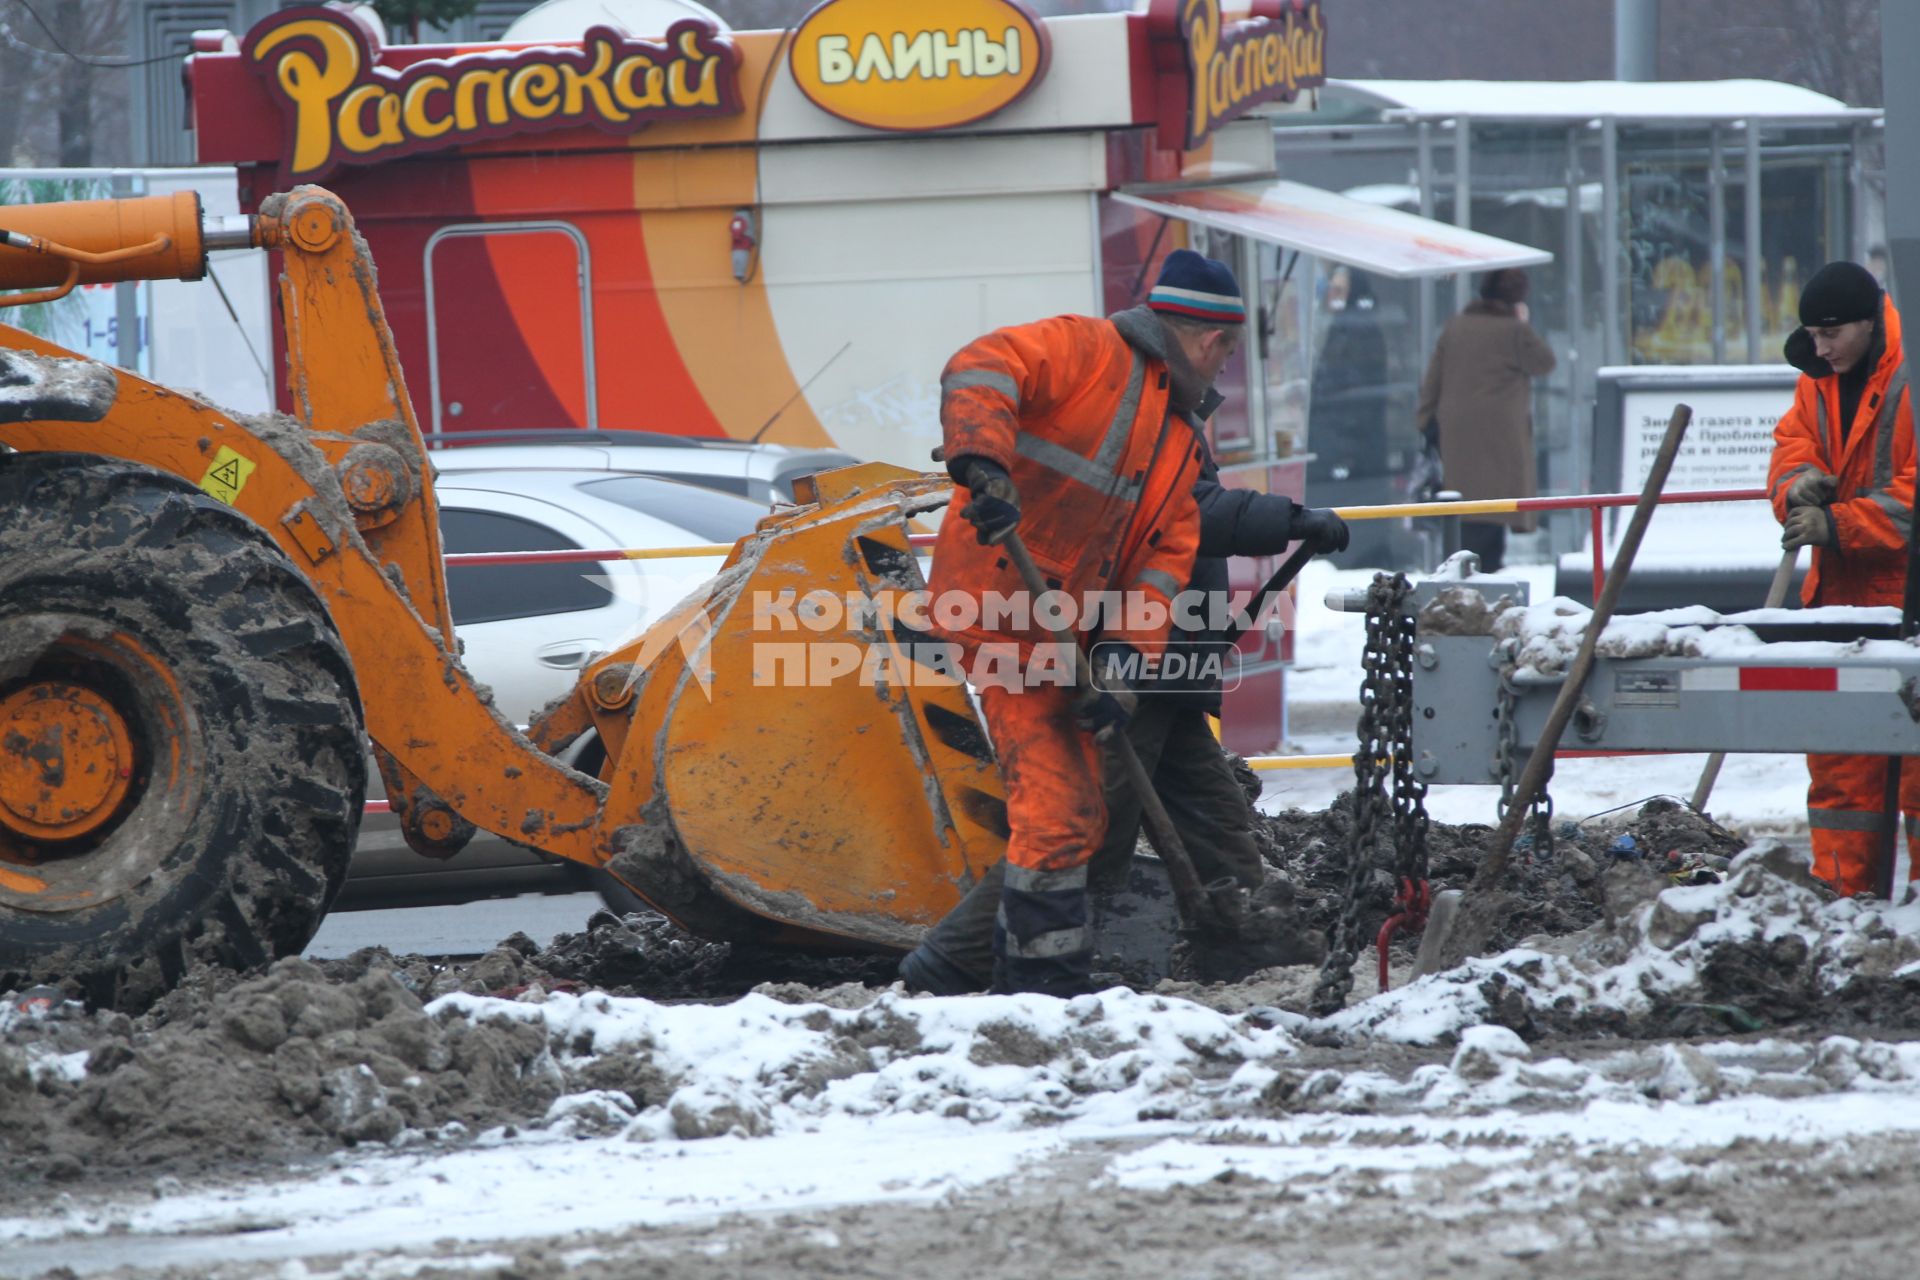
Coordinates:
<point>1042,942</point>
<point>927,968</point>
<point>956,955</point>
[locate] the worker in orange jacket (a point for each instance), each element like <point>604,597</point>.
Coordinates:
<point>1085,434</point>
<point>1841,480</point>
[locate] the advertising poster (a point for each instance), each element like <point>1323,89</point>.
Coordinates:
<point>1669,247</point>
<point>1727,446</point>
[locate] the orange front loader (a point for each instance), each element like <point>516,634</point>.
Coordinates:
<point>205,619</point>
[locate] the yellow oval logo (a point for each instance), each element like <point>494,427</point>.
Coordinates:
<point>912,67</point>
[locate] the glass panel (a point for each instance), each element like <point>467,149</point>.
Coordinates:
<point>1667,214</point>
<point>1794,243</point>
<point>1669,265</point>
<point>1363,380</point>
<point>1286,334</point>
<point>495,593</point>
<point>705,513</point>
<point>87,320</point>
<point>1231,427</point>
<point>508,322</point>
<point>1133,244</point>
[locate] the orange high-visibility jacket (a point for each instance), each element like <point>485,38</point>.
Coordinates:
<point>1078,415</point>
<point>1873,507</point>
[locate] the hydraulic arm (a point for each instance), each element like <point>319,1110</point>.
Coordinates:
<point>856,811</point>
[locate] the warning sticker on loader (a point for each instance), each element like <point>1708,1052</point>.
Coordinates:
<point>227,475</point>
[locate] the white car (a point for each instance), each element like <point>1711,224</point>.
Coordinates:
<point>529,629</point>
<point>762,472</point>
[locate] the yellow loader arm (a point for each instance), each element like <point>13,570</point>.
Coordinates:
<point>744,802</point>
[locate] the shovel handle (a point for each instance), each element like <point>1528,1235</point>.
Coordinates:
<point>1282,577</point>
<point>1188,895</point>
<point>1776,596</point>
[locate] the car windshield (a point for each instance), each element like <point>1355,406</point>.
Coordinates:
<point>705,513</point>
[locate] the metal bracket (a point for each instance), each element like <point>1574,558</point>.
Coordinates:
<point>307,532</point>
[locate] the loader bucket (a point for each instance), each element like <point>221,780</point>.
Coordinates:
<point>798,767</point>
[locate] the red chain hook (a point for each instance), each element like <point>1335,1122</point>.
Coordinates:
<point>1413,901</point>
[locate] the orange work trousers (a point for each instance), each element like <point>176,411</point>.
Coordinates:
<point>1843,813</point>
<point>1056,809</point>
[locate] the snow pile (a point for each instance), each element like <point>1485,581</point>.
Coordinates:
<point>763,1065</point>
<point>1492,1068</point>
<point>1768,946</point>
<point>300,1060</point>
<point>292,1062</point>
<point>1543,638</point>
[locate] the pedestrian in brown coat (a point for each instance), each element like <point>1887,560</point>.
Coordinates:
<point>1477,399</point>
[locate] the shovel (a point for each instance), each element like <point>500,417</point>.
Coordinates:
<point>1776,596</point>
<point>1217,919</point>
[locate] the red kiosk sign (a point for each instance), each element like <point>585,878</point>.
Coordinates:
<point>1228,68</point>
<point>342,107</point>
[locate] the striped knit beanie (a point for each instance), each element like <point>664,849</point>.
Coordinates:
<point>1198,288</point>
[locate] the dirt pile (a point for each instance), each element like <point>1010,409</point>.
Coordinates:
<point>1766,947</point>
<point>295,1061</point>
<point>310,1057</point>
<point>1659,844</point>
<point>307,1059</point>
<point>648,955</point>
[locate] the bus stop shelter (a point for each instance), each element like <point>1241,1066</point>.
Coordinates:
<point>1682,219</point>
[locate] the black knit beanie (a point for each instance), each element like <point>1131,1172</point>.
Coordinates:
<point>1839,293</point>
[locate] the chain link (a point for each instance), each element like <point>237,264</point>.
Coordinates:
<point>1409,790</point>
<point>1506,739</point>
<point>1385,751</point>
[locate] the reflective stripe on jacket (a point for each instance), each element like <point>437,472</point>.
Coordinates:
<point>1873,506</point>
<point>1079,416</point>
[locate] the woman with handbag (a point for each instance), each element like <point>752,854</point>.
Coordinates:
<point>1477,398</point>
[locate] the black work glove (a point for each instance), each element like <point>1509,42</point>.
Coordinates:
<point>1320,528</point>
<point>1810,527</point>
<point>995,509</point>
<point>1113,701</point>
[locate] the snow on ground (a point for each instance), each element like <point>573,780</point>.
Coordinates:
<point>533,1185</point>
<point>786,1106</point>
<point>792,1100</point>
<point>1754,794</point>
<point>789,1100</point>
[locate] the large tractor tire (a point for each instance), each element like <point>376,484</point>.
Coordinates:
<point>182,767</point>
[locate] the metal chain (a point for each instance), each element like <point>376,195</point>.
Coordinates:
<point>1385,731</point>
<point>1409,790</point>
<point>1506,738</point>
